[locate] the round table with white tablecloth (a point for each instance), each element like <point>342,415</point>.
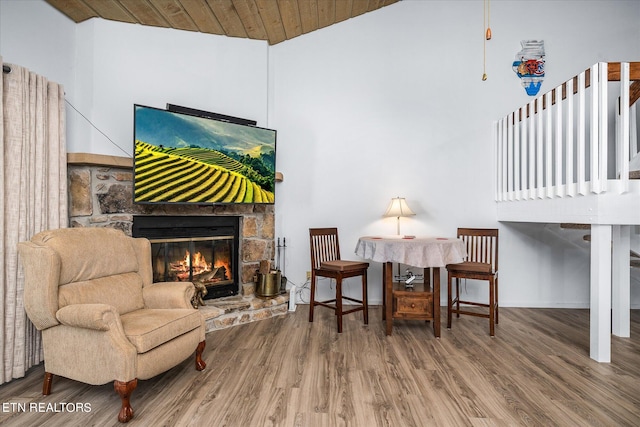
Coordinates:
<point>423,252</point>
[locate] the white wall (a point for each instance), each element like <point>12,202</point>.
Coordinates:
<point>108,66</point>
<point>392,104</point>
<point>36,36</point>
<point>121,64</point>
<point>388,104</point>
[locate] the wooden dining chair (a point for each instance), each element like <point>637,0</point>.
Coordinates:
<point>326,262</point>
<point>481,264</point>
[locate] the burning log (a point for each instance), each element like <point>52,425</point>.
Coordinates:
<point>218,274</point>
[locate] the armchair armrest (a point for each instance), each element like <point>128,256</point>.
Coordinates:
<point>100,317</point>
<point>89,345</point>
<point>168,295</point>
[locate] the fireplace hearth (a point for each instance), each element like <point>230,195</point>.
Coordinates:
<point>202,249</point>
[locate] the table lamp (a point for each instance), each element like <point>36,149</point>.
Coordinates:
<point>398,207</point>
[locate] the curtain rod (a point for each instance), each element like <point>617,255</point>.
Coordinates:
<point>6,69</point>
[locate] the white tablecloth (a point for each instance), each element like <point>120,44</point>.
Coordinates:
<point>421,252</point>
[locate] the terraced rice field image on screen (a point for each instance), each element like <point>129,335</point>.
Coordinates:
<point>187,159</point>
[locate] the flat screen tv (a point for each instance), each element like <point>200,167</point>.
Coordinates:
<point>188,159</point>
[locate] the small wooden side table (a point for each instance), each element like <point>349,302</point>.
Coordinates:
<point>420,303</point>
<point>429,253</point>
<point>412,303</point>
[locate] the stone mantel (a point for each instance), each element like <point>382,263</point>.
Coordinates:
<point>99,160</point>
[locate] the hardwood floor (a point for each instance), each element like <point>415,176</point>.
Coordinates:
<point>287,372</point>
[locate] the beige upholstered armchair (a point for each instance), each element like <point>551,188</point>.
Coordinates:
<point>90,292</point>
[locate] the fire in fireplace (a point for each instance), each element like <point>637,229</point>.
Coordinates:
<point>197,268</point>
<point>193,249</point>
<point>205,260</point>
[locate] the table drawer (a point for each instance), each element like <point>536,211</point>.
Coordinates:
<point>414,306</point>
<point>419,305</point>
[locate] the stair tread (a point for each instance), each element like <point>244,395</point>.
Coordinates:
<point>575,226</point>
<point>635,257</point>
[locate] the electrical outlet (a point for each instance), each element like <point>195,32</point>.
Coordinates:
<point>308,275</point>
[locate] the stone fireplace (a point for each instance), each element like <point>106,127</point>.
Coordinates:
<point>100,195</point>
<point>198,249</point>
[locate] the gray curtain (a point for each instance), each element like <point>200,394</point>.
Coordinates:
<point>33,197</point>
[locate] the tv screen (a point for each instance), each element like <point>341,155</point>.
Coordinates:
<point>182,158</point>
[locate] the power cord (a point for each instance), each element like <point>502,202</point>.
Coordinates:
<point>301,290</point>
<point>96,128</point>
<point>304,290</point>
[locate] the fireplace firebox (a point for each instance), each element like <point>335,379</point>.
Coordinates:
<point>201,249</point>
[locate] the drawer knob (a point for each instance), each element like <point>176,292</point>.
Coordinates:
<point>413,305</point>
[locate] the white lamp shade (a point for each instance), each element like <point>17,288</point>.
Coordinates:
<point>398,207</point>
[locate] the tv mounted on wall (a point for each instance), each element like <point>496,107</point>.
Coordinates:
<point>193,159</point>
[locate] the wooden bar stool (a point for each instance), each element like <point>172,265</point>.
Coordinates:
<point>481,264</point>
<point>326,262</point>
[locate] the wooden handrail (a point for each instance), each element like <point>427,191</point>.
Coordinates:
<point>613,75</point>
<point>614,71</point>
<point>634,92</point>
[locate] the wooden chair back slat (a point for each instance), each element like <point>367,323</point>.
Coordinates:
<point>481,245</point>
<point>324,246</point>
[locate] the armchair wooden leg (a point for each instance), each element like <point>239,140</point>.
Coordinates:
<point>46,385</point>
<point>200,364</point>
<point>124,389</point>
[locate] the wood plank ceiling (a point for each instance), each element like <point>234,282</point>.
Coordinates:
<point>271,20</point>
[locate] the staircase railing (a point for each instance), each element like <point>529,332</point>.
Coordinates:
<point>566,143</point>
